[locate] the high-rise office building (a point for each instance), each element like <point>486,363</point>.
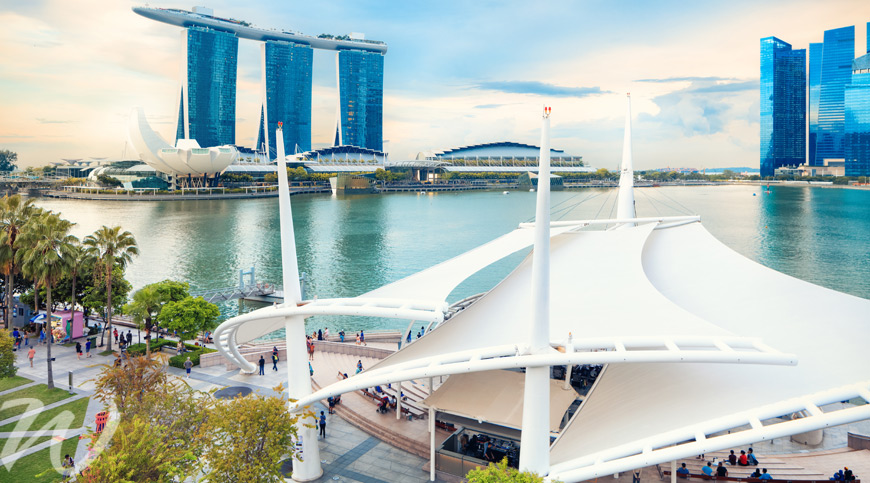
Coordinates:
<point>857,124</point>
<point>838,52</point>
<point>783,105</point>
<point>286,96</point>
<point>207,105</point>
<point>361,98</point>
<point>815,83</point>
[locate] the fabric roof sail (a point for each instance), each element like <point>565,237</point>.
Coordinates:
<point>496,397</point>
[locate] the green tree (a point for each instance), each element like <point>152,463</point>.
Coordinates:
<point>189,316</point>
<point>7,160</point>
<point>149,300</point>
<point>7,356</point>
<point>249,437</point>
<point>109,181</point>
<point>94,295</point>
<point>160,436</point>
<point>106,248</point>
<point>501,473</point>
<point>47,255</point>
<point>14,213</point>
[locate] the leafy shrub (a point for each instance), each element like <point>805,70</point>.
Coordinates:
<point>7,357</point>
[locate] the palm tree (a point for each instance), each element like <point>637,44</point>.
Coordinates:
<point>145,305</point>
<point>14,213</point>
<point>77,260</point>
<point>46,255</point>
<point>109,247</point>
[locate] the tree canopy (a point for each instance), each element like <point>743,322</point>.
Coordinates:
<point>7,160</point>
<point>501,473</point>
<point>189,316</point>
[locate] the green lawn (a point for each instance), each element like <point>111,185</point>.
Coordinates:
<point>39,391</point>
<point>7,383</point>
<point>16,442</point>
<point>35,423</point>
<point>106,353</point>
<point>26,468</point>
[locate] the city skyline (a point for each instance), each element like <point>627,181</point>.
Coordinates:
<point>455,75</point>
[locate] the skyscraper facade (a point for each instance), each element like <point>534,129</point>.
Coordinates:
<point>361,98</point>
<point>783,105</point>
<point>287,81</point>
<point>838,51</point>
<point>857,119</point>
<point>815,83</point>
<point>207,105</point>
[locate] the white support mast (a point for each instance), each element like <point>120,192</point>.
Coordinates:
<point>535,439</point>
<point>625,201</point>
<point>298,377</point>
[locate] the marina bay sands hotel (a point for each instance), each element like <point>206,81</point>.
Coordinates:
<point>207,97</point>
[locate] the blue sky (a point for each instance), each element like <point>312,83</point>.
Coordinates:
<point>456,73</point>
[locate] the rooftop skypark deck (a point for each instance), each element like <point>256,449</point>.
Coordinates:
<point>245,30</point>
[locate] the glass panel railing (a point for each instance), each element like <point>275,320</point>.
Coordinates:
<point>199,150</point>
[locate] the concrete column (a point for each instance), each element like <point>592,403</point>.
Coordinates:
<point>673,472</point>
<point>431,444</point>
<point>399,400</point>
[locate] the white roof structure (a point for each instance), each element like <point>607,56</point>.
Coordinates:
<point>186,157</point>
<point>703,347</point>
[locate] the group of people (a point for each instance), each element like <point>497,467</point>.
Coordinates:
<point>745,459</point>
<point>79,349</point>
<point>323,335</point>
<point>275,360</point>
<point>23,336</point>
<point>844,475</point>
<point>126,340</point>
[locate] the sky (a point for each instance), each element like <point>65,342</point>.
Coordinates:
<point>456,73</point>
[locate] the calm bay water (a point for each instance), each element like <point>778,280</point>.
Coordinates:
<point>350,245</point>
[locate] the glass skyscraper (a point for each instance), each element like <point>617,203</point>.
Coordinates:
<point>838,52</point>
<point>815,83</point>
<point>287,97</point>
<point>783,105</point>
<point>857,124</point>
<point>207,106</point>
<point>361,98</point>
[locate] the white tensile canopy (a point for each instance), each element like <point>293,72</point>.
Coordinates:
<point>495,397</point>
<point>703,348</point>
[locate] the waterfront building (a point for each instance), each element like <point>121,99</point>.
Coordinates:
<point>207,100</point>
<point>783,105</point>
<point>208,95</point>
<point>838,51</point>
<point>815,81</point>
<point>360,99</point>
<point>286,96</point>
<point>857,119</point>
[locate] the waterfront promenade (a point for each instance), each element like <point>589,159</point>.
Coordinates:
<point>356,455</point>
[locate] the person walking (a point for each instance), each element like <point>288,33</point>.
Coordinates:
<point>274,362</point>
<point>322,425</point>
<point>79,350</point>
<point>362,337</point>
<point>310,350</point>
<point>188,365</point>
<point>88,349</point>
<point>129,337</point>
<point>30,354</point>
<point>115,333</point>
<point>41,336</point>
<point>262,366</point>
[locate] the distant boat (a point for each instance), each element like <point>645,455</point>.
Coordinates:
<point>505,192</point>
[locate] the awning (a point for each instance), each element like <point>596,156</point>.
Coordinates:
<point>496,397</point>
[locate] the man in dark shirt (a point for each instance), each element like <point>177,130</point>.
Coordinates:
<point>683,472</point>
<point>721,470</point>
<point>262,365</point>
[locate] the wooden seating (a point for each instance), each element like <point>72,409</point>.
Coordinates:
<point>748,479</point>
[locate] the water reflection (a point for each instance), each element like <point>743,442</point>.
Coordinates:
<point>353,244</point>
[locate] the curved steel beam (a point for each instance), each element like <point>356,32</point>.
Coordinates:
<point>513,357</point>
<point>700,438</point>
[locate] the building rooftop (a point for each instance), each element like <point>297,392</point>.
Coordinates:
<point>204,18</point>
